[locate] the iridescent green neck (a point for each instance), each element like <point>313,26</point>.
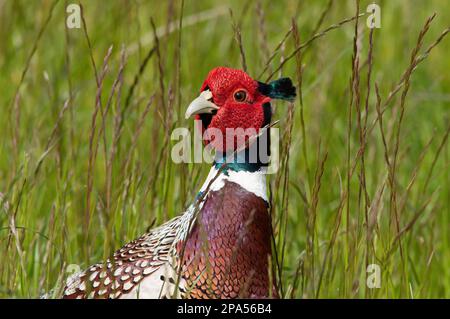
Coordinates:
<point>238,162</point>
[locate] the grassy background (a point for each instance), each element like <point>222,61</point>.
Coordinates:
<point>85,169</point>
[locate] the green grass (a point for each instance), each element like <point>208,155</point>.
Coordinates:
<point>77,192</point>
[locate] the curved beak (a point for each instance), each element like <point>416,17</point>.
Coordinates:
<point>202,104</point>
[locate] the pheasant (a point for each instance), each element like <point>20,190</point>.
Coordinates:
<point>220,246</point>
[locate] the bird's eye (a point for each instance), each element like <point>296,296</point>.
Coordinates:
<point>240,96</point>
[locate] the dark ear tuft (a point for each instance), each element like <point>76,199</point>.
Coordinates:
<point>278,89</point>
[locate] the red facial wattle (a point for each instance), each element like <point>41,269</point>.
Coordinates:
<point>244,119</point>
<point>241,107</point>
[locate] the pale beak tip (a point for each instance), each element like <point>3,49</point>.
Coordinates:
<point>201,105</point>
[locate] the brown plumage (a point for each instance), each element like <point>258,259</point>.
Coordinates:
<point>226,254</point>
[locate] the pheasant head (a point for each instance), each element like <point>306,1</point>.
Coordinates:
<point>232,106</point>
